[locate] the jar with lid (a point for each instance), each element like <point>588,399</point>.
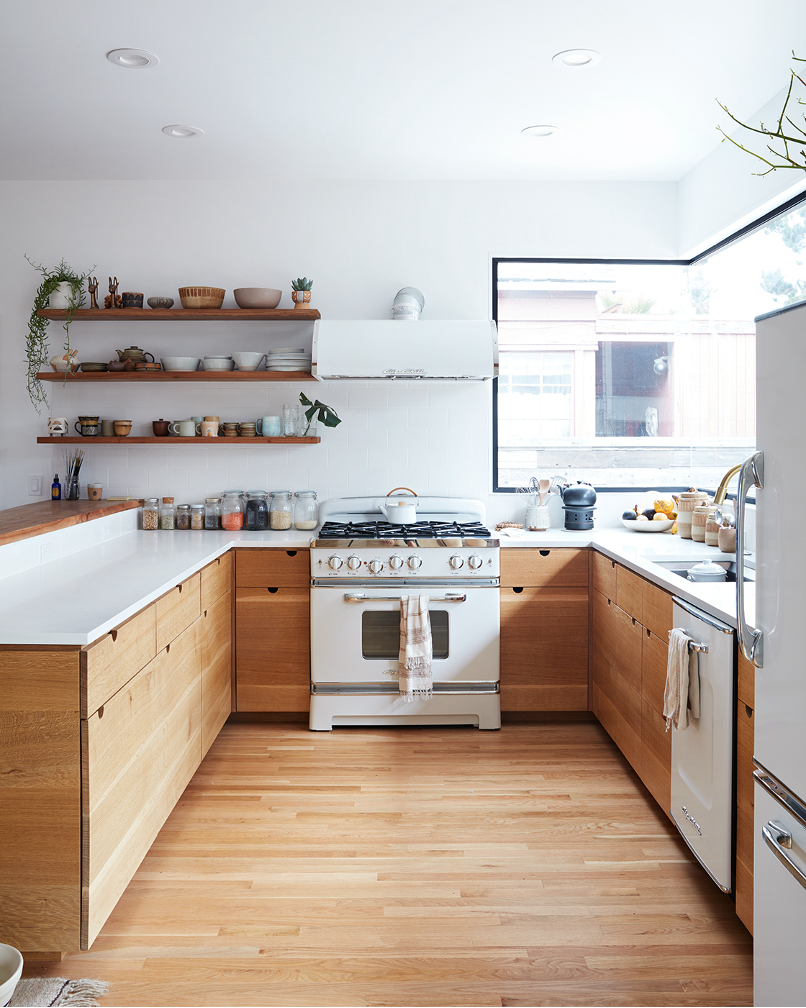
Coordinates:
<point>306,510</point>
<point>281,513</point>
<point>151,514</point>
<point>232,511</point>
<point>183,516</point>
<point>212,512</point>
<point>197,516</point>
<point>167,514</point>
<point>257,511</point>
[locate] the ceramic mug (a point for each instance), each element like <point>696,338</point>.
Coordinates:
<point>182,428</point>
<point>87,426</point>
<point>123,428</point>
<point>208,428</point>
<point>108,428</point>
<point>58,426</point>
<point>197,419</point>
<point>269,426</point>
<point>160,427</point>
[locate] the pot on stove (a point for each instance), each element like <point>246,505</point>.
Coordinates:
<point>399,510</point>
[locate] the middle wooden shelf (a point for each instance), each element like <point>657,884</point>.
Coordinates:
<point>208,442</point>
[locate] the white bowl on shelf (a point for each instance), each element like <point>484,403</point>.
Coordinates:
<point>180,363</point>
<point>647,526</point>
<point>218,364</point>
<point>248,360</point>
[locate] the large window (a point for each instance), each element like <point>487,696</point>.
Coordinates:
<point>637,374</point>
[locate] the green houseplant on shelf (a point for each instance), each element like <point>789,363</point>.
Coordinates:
<point>316,411</point>
<point>36,344</point>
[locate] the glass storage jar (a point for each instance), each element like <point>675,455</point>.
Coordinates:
<point>306,510</point>
<point>197,516</point>
<point>212,512</point>
<point>232,511</point>
<point>257,511</point>
<point>183,516</point>
<point>167,514</point>
<point>281,512</point>
<point>151,513</point>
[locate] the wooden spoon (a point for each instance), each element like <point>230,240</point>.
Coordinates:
<point>544,486</point>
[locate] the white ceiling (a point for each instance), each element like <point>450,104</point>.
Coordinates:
<point>375,89</point>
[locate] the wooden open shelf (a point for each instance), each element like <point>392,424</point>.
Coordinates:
<point>184,314</point>
<point>206,441</point>
<point>179,376</point>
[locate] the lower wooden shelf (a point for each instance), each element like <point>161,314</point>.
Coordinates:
<point>208,442</point>
<point>178,376</point>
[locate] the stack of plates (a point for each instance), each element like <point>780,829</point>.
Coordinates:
<point>288,359</point>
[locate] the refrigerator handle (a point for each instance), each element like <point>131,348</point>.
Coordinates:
<point>776,837</point>
<point>751,475</point>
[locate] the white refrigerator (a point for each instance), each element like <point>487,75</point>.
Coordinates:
<point>773,642</point>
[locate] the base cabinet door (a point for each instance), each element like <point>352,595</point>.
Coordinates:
<point>616,675</point>
<point>140,749</point>
<point>215,645</point>
<point>745,812</point>
<point>655,768</point>
<point>272,649</point>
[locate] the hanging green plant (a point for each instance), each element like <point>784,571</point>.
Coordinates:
<point>328,416</point>
<point>36,344</point>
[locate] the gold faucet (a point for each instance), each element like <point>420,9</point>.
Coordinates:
<point>722,489</point>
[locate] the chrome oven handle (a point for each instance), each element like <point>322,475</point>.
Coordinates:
<point>751,475</point>
<point>396,598</point>
<point>776,837</point>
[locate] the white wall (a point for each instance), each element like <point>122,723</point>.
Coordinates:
<point>722,193</point>
<point>361,242</point>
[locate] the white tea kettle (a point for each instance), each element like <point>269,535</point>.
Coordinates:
<point>399,510</point>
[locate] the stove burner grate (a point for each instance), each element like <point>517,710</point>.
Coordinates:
<point>417,530</point>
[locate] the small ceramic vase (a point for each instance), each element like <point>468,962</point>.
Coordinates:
<point>301,299</point>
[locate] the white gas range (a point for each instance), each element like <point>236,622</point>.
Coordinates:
<point>361,565</point>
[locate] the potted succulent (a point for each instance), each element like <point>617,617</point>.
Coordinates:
<point>301,292</point>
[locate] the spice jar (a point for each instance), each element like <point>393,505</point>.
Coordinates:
<point>306,510</point>
<point>281,512</point>
<point>212,512</point>
<point>167,514</point>
<point>183,516</point>
<point>197,516</point>
<point>151,514</point>
<point>257,511</point>
<point>232,511</point>
<point>95,491</point>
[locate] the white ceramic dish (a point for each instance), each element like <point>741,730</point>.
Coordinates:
<point>218,365</point>
<point>290,367</point>
<point>257,297</point>
<point>10,971</point>
<point>248,360</point>
<point>180,363</point>
<point>647,526</point>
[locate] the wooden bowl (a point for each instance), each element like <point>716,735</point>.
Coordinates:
<point>201,297</point>
<point>93,366</point>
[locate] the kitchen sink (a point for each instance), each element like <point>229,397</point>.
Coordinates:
<point>681,568</point>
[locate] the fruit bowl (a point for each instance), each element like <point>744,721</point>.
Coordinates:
<point>647,526</point>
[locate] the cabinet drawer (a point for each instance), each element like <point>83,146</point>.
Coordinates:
<point>746,688</point>
<point>273,653</point>
<point>216,578</point>
<point>140,750</point>
<point>110,662</point>
<point>272,568</point>
<point>177,610</point>
<point>654,660</point>
<point>603,575</point>
<point>629,593</point>
<point>215,639</point>
<point>534,568</point>
<point>657,610</point>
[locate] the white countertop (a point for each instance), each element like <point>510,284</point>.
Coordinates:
<point>80,597</point>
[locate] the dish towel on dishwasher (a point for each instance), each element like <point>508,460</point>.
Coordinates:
<point>415,681</point>
<point>682,693</point>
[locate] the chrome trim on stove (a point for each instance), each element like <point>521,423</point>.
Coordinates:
<point>454,582</point>
<point>450,542</point>
<point>387,688</point>
<point>352,597</point>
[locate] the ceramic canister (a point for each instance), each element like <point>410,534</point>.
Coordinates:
<point>699,519</point>
<point>712,530</point>
<point>685,508</point>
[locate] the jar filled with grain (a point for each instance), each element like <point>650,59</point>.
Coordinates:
<point>257,511</point>
<point>183,516</point>
<point>212,512</point>
<point>197,516</point>
<point>167,514</point>
<point>306,510</point>
<point>281,513</point>
<point>232,511</point>
<point>151,514</point>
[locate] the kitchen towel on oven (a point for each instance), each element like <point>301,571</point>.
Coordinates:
<point>682,683</point>
<point>415,682</point>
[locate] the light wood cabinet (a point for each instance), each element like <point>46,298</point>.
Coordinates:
<point>603,575</point>
<point>177,609</point>
<point>272,568</point>
<point>616,674</point>
<point>656,607</point>
<point>215,642</point>
<point>110,662</point>
<point>533,568</point>
<point>216,578</point>
<point>745,801</point>
<point>630,593</point>
<point>272,648</point>
<point>655,768</point>
<point>746,685</point>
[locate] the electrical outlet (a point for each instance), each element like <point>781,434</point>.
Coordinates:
<point>34,486</point>
<point>47,553</point>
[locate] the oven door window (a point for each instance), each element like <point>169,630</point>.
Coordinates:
<point>380,634</point>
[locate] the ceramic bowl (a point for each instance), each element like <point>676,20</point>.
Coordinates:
<point>10,971</point>
<point>180,363</point>
<point>201,297</point>
<point>248,360</point>
<point>257,297</point>
<point>218,364</point>
<point>647,526</point>
<point>160,302</point>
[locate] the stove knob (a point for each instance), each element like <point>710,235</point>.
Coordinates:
<point>415,562</point>
<point>395,562</point>
<point>353,562</point>
<point>456,562</point>
<point>335,562</point>
<point>375,566</point>
<point>474,562</point>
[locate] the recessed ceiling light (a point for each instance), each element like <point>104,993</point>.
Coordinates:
<point>576,57</point>
<point>133,59</point>
<point>182,132</point>
<point>540,131</point>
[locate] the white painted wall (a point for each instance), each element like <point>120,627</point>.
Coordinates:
<point>721,194</point>
<point>361,242</point>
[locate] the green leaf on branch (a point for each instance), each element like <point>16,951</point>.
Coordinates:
<point>323,413</point>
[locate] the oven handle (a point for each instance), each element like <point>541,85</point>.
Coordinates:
<point>396,598</point>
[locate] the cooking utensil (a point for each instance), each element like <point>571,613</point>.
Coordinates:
<point>543,485</point>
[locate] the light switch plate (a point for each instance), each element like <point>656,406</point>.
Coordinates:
<point>34,486</point>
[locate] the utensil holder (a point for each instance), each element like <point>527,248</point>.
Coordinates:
<point>537,518</point>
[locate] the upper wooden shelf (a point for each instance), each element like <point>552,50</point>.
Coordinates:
<point>184,314</point>
<point>178,376</point>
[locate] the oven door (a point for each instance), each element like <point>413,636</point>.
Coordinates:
<point>355,632</point>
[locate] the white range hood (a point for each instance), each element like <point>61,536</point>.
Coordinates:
<point>384,349</point>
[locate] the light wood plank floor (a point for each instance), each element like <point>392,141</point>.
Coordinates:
<point>435,866</point>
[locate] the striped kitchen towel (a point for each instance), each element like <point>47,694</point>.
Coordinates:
<point>415,681</point>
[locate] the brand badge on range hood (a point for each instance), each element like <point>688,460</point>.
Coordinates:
<point>404,371</point>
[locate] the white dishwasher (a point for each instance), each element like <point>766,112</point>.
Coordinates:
<point>702,754</point>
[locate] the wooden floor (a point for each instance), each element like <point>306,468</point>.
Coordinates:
<point>434,866</point>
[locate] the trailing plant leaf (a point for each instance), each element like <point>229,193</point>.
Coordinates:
<point>36,343</point>
<point>323,413</point>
